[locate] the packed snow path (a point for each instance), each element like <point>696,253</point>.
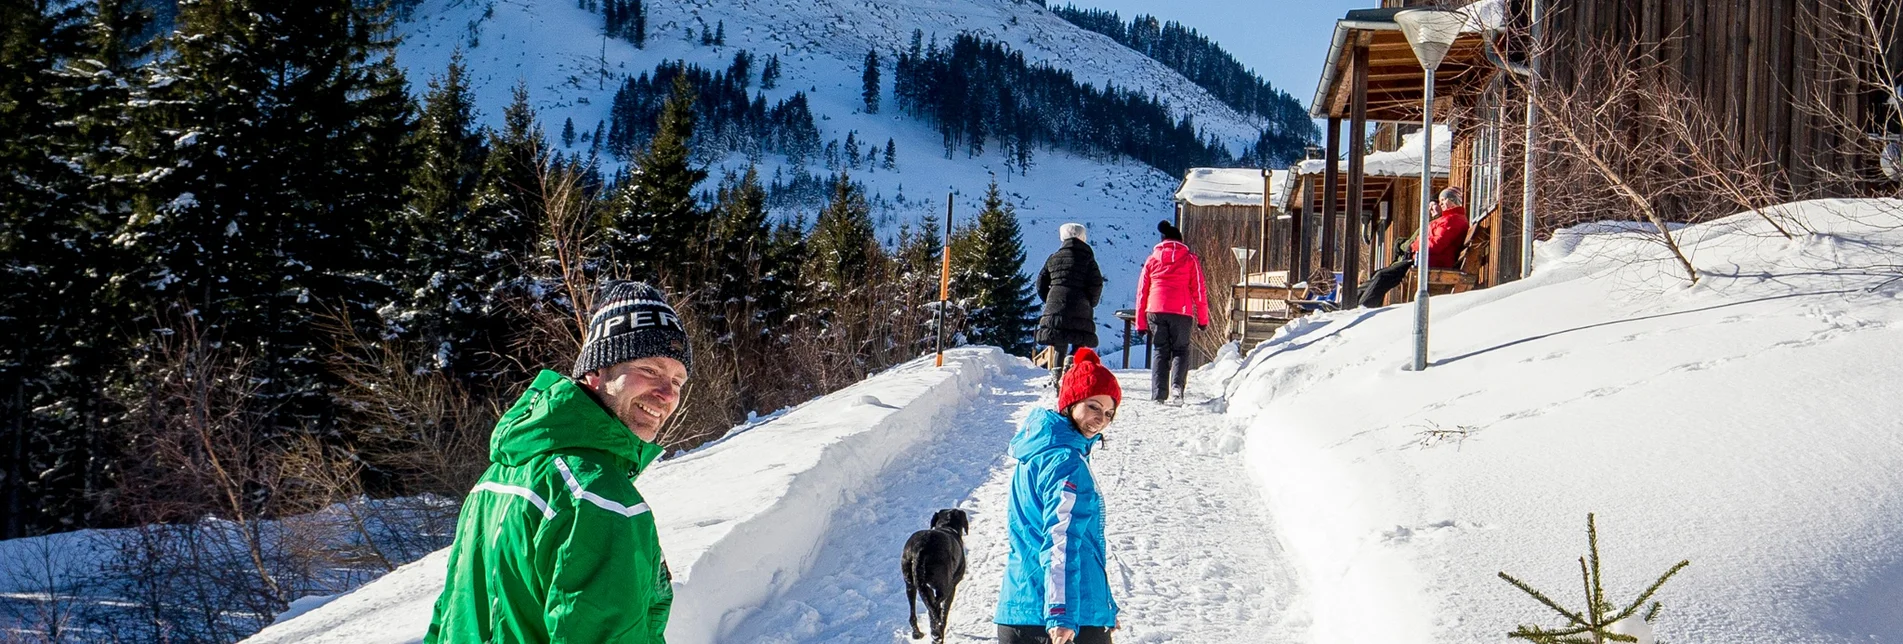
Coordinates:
<point>1193,558</point>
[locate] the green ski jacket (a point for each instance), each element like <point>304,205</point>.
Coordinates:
<point>554,545</point>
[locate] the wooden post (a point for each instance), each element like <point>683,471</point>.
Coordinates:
<point>1262,223</point>
<point>1295,238</point>
<point>1126,342</point>
<point>944,280</point>
<point>1357,149</point>
<point>1331,196</point>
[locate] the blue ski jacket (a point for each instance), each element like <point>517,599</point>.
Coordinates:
<point>1056,574</point>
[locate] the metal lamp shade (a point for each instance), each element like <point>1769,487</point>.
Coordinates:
<point>1431,32</point>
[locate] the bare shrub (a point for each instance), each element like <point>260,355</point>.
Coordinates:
<point>51,580</point>
<point>1630,142</point>
<point>1854,92</point>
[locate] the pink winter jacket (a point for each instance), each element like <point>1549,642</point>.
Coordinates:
<point>1171,282</point>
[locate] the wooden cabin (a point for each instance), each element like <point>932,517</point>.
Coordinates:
<point>1222,211</point>
<point>1356,205</point>
<point>1753,65</point>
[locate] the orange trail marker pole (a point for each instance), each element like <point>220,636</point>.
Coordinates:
<point>944,279</point>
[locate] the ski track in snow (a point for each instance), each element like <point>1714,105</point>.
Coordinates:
<point>1166,471</point>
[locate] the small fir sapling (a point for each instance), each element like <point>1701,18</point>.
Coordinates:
<point>1599,623</point>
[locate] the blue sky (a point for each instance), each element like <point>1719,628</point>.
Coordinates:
<point>1283,40</point>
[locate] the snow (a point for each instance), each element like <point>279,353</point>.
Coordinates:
<point>1404,161</point>
<point>1231,187</point>
<point>1743,423</point>
<point>571,72</point>
<point>741,519</point>
<point>790,531</point>
<point>1167,473</point>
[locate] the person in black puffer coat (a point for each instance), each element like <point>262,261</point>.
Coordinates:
<point>1070,285</point>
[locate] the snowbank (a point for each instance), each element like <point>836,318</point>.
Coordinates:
<point>741,519</point>
<point>1747,423</point>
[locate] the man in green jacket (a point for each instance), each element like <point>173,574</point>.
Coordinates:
<point>554,544</point>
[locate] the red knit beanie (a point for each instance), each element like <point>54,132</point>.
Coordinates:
<point>1087,377</point>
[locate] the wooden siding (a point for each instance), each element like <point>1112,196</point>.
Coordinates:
<point>1749,62</point>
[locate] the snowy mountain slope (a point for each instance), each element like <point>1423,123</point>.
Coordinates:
<point>1748,423</point>
<point>572,72</point>
<point>740,518</point>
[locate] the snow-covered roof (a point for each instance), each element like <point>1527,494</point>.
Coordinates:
<point>1221,187</point>
<point>1402,162</point>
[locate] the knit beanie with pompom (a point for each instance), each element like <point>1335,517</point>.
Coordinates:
<point>1087,377</point>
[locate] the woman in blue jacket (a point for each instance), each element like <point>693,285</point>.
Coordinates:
<point>1056,590</point>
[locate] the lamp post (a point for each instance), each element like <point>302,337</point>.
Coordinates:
<point>1430,32</point>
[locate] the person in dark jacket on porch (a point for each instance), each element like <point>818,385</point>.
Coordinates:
<point>1070,285</point>
<point>1446,233</point>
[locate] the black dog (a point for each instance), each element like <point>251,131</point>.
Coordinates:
<point>934,563</point>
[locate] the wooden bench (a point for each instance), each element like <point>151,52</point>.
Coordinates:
<point>1472,262</point>
<point>1285,303</point>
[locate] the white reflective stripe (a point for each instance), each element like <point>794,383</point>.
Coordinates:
<point>511,490</point>
<point>1060,539</point>
<point>574,487</point>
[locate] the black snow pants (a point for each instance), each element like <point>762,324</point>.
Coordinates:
<point>1382,281</point>
<point>1037,635</point>
<point>1169,338</point>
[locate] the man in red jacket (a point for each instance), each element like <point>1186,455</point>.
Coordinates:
<point>1170,297</point>
<point>1445,235</point>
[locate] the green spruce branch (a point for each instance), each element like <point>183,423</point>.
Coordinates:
<point>1589,626</point>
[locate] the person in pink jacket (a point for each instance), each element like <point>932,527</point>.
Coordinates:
<point>1170,296</point>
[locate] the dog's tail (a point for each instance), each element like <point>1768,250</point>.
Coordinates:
<point>909,565</point>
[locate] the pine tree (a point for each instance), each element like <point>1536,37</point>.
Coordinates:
<point>987,260</point>
<point>870,80</point>
<point>509,194</point>
<point>469,233</point>
<point>720,33</point>
<point>852,150</point>
<point>843,247</point>
<point>65,76</point>
<point>891,155</point>
<point>919,265</point>
<point>568,132</point>
<point>639,20</point>
<point>277,147</point>
<point>740,71</point>
<point>844,264</point>
<point>449,148</point>
<point>770,73</point>
<point>656,226</point>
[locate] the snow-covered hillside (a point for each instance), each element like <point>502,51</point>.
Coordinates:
<point>571,71</point>
<point>1749,423</point>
